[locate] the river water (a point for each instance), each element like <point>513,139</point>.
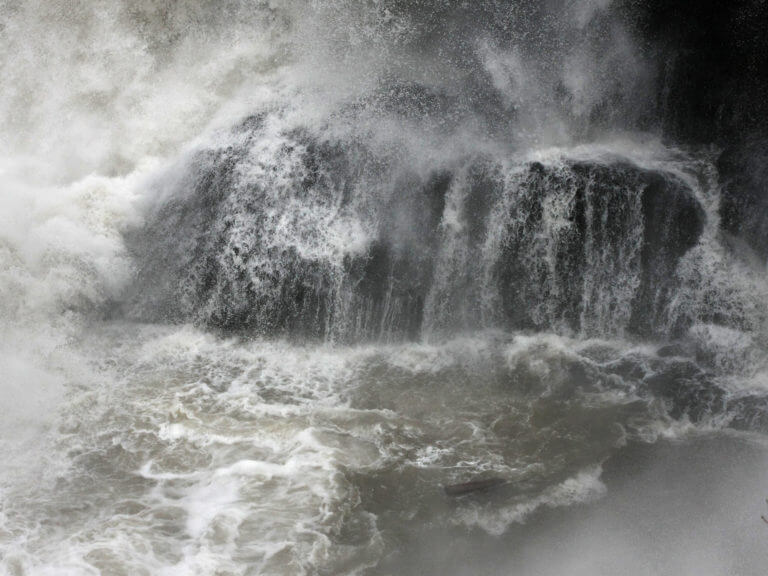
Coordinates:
<point>273,276</point>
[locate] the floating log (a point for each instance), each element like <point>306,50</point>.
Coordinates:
<point>473,486</point>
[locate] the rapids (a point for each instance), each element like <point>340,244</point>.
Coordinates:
<point>273,275</point>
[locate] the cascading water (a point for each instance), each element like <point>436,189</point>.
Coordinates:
<point>273,275</point>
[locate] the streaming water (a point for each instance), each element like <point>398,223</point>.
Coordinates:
<point>273,276</point>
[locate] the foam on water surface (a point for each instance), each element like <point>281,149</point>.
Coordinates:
<point>376,249</point>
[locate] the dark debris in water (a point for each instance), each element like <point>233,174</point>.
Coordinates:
<point>473,486</point>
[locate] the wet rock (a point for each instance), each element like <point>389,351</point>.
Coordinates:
<point>595,247</point>
<point>324,239</point>
<point>688,390</point>
<point>743,171</point>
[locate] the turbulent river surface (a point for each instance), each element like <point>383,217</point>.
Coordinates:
<point>372,287</point>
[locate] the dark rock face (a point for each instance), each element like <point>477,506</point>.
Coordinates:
<point>713,65</point>
<point>688,391</point>
<point>674,221</point>
<point>743,172</point>
<point>257,245</point>
<point>203,255</point>
<point>611,265</point>
<point>316,239</point>
<point>712,88</point>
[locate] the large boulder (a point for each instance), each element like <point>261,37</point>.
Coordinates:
<point>294,234</point>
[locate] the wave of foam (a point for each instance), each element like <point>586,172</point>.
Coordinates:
<point>582,488</point>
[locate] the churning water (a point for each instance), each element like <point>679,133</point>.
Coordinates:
<point>274,275</point>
